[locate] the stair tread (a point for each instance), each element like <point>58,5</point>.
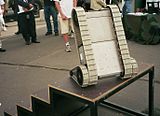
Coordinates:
<point>25,102</point>
<point>12,110</point>
<point>42,94</point>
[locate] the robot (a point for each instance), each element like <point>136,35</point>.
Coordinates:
<point>101,45</point>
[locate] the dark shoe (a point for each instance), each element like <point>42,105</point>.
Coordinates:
<point>28,43</point>
<point>35,42</point>
<point>6,25</point>
<point>56,34</point>
<point>48,33</point>
<point>2,50</point>
<point>18,32</point>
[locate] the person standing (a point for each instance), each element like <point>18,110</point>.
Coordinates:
<point>50,10</point>
<point>18,25</point>
<point>14,5</point>
<point>64,8</point>
<point>2,3</point>
<point>27,21</point>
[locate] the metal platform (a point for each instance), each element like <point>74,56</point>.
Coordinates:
<point>96,95</point>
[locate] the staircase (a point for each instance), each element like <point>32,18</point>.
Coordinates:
<point>52,104</point>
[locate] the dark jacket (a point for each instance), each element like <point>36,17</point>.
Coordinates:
<point>25,4</point>
<point>49,3</point>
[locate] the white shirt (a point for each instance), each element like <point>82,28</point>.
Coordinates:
<point>1,3</point>
<point>66,7</point>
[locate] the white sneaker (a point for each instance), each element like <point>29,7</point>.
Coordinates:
<point>68,47</point>
<point>4,28</point>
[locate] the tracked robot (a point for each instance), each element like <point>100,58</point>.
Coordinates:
<point>101,45</point>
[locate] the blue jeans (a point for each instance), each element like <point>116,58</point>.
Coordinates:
<point>127,8</point>
<point>51,11</point>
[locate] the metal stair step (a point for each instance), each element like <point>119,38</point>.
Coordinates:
<point>40,107</point>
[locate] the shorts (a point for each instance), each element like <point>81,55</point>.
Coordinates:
<point>2,24</point>
<point>65,25</point>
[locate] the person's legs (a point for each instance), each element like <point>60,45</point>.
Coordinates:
<point>47,19</point>
<point>24,27</point>
<point>32,28</point>
<point>1,49</point>
<point>71,29</point>
<point>128,6</point>
<point>0,44</point>
<point>18,24</point>
<point>54,14</point>
<point>124,8</point>
<point>1,27</point>
<point>64,26</point>
<point>66,40</point>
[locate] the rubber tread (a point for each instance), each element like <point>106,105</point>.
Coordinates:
<point>86,40</point>
<point>129,64</point>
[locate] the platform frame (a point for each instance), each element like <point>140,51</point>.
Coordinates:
<point>71,90</point>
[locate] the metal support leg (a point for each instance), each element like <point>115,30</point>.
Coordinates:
<point>151,92</point>
<point>93,109</point>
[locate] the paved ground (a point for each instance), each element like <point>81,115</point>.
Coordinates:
<point>26,70</point>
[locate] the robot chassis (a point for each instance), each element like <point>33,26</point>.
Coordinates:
<point>102,47</point>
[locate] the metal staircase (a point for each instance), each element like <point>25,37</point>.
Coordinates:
<point>52,104</point>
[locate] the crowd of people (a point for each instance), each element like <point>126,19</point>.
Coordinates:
<point>60,10</point>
